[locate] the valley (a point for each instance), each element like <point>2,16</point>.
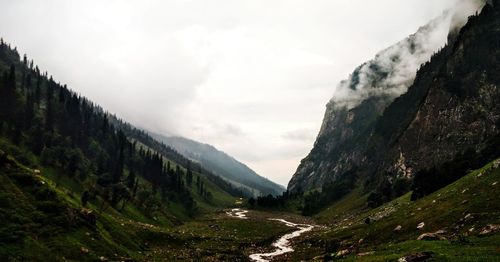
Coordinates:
<point>468,232</point>
<point>406,167</point>
<point>459,222</point>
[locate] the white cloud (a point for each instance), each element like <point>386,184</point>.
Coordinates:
<point>245,76</point>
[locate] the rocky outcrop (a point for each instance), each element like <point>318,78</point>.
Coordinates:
<point>456,96</point>
<point>380,126</point>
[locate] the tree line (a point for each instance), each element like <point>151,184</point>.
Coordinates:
<point>78,138</point>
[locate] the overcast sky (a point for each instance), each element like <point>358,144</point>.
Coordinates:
<point>250,77</point>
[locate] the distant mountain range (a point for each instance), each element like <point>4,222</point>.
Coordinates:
<point>222,164</point>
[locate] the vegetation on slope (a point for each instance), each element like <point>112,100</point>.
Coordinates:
<point>447,123</point>
<point>78,182</point>
<point>465,215</point>
<point>223,165</point>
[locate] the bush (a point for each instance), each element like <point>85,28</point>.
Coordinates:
<point>375,199</point>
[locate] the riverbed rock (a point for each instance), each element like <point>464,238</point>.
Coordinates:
<point>420,225</point>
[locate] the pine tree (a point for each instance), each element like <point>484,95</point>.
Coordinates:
<point>131,179</point>
<point>38,91</point>
<point>189,175</point>
<point>49,110</point>
<point>8,96</point>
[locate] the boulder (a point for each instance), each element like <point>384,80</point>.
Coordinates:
<point>342,253</point>
<point>416,257</point>
<point>430,236</point>
<point>420,225</point>
<point>365,253</point>
<point>397,229</point>
<point>489,229</point>
<point>468,217</point>
<point>440,232</point>
<point>496,163</point>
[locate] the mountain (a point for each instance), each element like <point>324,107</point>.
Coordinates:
<point>417,115</point>
<point>359,100</point>
<point>449,114</point>
<point>459,222</point>
<point>222,165</point>
<point>75,178</point>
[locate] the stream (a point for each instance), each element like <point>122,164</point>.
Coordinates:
<point>283,244</point>
<point>238,213</point>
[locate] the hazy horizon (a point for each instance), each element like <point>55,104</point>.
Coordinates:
<point>252,82</point>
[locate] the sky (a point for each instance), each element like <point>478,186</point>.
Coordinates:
<point>250,77</point>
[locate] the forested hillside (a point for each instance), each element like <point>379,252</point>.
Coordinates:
<point>223,165</point>
<point>66,162</point>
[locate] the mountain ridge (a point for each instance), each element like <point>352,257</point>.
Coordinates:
<point>353,113</point>
<point>222,164</point>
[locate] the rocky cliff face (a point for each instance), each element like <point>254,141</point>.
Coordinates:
<point>366,128</point>
<point>459,109</point>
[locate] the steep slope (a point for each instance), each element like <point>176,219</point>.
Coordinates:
<point>221,164</point>
<point>358,103</point>
<point>39,220</point>
<point>456,97</point>
<point>465,215</point>
<point>64,160</point>
<point>172,155</point>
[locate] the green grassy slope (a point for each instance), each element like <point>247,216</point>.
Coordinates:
<point>220,198</point>
<point>42,216</point>
<point>78,149</point>
<point>43,222</point>
<point>463,211</point>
